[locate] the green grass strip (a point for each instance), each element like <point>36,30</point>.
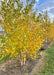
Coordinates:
<point>49,66</point>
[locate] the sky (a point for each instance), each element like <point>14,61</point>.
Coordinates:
<point>46,5</point>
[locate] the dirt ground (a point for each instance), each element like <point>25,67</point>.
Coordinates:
<point>32,67</point>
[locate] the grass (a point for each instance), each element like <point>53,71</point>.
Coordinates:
<point>49,66</point>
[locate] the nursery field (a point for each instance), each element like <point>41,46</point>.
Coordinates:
<point>25,37</point>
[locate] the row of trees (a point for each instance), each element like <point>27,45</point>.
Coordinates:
<point>25,31</point>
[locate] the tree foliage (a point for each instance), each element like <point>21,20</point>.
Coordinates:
<point>24,34</point>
